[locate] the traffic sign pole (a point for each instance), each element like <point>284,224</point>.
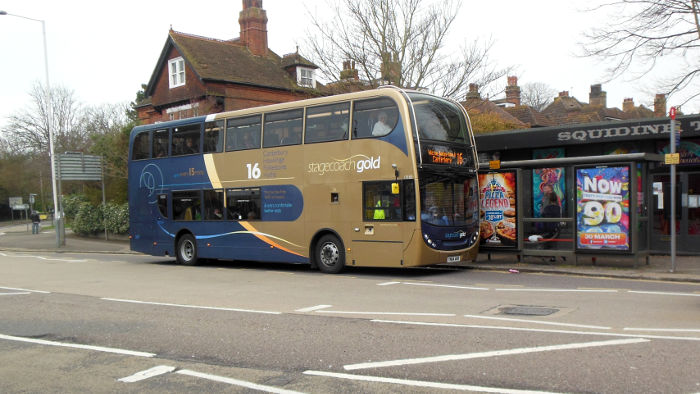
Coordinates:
<point>672,144</point>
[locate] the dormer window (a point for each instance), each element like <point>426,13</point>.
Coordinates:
<point>176,68</point>
<point>305,77</point>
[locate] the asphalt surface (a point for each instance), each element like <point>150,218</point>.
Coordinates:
<point>18,237</point>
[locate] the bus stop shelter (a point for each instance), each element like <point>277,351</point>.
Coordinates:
<point>603,207</point>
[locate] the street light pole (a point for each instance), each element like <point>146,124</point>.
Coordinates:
<point>57,213</point>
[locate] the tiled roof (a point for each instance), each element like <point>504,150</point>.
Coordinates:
<point>295,59</point>
<point>529,116</point>
<point>226,61</point>
<point>478,106</point>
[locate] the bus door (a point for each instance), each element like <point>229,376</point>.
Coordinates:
<point>379,238</point>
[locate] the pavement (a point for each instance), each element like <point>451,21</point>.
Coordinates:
<point>19,238</point>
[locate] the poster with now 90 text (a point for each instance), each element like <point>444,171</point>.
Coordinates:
<point>602,208</point>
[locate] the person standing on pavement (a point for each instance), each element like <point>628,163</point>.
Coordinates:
<point>35,222</point>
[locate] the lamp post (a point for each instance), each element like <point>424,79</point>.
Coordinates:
<point>57,213</point>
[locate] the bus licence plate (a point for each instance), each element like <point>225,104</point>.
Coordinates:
<point>453,259</point>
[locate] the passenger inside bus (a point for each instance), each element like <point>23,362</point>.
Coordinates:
<point>381,128</point>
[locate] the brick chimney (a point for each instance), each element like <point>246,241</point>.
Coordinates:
<point>349,72</point>
<point>597,96</point>
<point>253,21</point>
<point>564,93</point>
<point>513,91</point>
<point>473,92</point>
<point>660,105</point>
<point>627,105</point>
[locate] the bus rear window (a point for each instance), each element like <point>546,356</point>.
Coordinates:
<point>140,148</point>
<point>160,143</point>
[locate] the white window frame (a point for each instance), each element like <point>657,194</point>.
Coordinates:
<point>176,72</point>
<point>309,80</point>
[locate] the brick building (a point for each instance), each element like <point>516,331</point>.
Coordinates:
<point>198,75</point>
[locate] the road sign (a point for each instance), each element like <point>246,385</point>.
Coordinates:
<point>672,113</point>
<point>20,207</point>
<point>15,201</point>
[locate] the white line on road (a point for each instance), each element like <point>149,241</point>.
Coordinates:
<point>537,322</point>
<point>47,258</point>
<point>494,353</point>
<point>663,329</point>
<point>563,290</point>
<point>388,283</point>
<point>505,328</point>
<point>420,383</point>
<point>77,346</point>
<point>447,286</point>
<point>149,373</point>
<point>235,382</point>
<point>664,293</point>
<point>388,313</point>
<point>313,308</point>
<point>191,306</point>
<point>32,291</point>
<point>22,293</point>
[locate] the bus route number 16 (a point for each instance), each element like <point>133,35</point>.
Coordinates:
<point>253,171</point>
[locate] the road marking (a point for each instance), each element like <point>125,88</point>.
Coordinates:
<point>388,283</point>
<point>77,346</point>
<point>191,306</point>
<point>664,293</point>
<point>447,286</point>
<point>31,291</point>
<point>537,322</point>
<point>22,293</point>
<point>663,329</point>
<point>506,328</point>
<point>235,382</point>
<point>149,373</point>
<point>313,308</point>
<point>389,313</point>
<point>46,258</point>
<point>494,353</point>
<point>420,383</point>
<point>564,290</point>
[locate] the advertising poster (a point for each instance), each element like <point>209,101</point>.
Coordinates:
<point>546,181</point>
<point>497,191</point>
<point>602,208</point>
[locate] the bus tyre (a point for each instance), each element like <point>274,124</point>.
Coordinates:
<point>330,254</point>
<point>187,250</point>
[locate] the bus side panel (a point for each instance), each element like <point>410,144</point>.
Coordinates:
<point>142,206</point>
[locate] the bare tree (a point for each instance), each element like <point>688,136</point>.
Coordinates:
<point>644,31</point>
<point>28,129</point>
<point>402,42</point>
<point>537,95</point>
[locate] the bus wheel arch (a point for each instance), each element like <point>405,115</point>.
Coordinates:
<point>327,252</point>
<point>186,248</point>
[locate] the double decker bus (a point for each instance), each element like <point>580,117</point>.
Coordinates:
<point>382,178</point>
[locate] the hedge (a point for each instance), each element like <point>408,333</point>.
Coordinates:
<point>88,219</point>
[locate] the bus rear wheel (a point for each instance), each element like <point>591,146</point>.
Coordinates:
<point>330,254</point>
<point>186,250</point>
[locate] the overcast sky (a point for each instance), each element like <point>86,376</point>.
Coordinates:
<point>104,51</point>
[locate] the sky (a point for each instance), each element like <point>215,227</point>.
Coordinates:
<point>104,51</point>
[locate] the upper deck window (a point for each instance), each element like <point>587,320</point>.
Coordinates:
<point>213,136</point>
<point>438,119</point>
<point>186,140</point>
<point>176,70</point>
<point>140,149</point>
<point>327,123</point>
<point>374,118</point>
<point>243,133</point>
<point>282,128</point>
<point>160,143</point>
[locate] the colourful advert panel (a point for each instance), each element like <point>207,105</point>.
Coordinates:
<point>497,191</point>
<point>602,208</point>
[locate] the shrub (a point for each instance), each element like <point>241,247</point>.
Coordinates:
<point>88,219</point>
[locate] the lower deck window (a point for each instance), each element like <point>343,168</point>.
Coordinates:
<point>243,204</point>
<point>389,201</point>
<point>187,205</point>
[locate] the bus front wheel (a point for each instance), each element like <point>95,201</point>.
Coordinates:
<point>187,250</point>
<point>330,254</point>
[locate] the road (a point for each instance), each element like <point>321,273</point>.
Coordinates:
<point>131,323</point>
